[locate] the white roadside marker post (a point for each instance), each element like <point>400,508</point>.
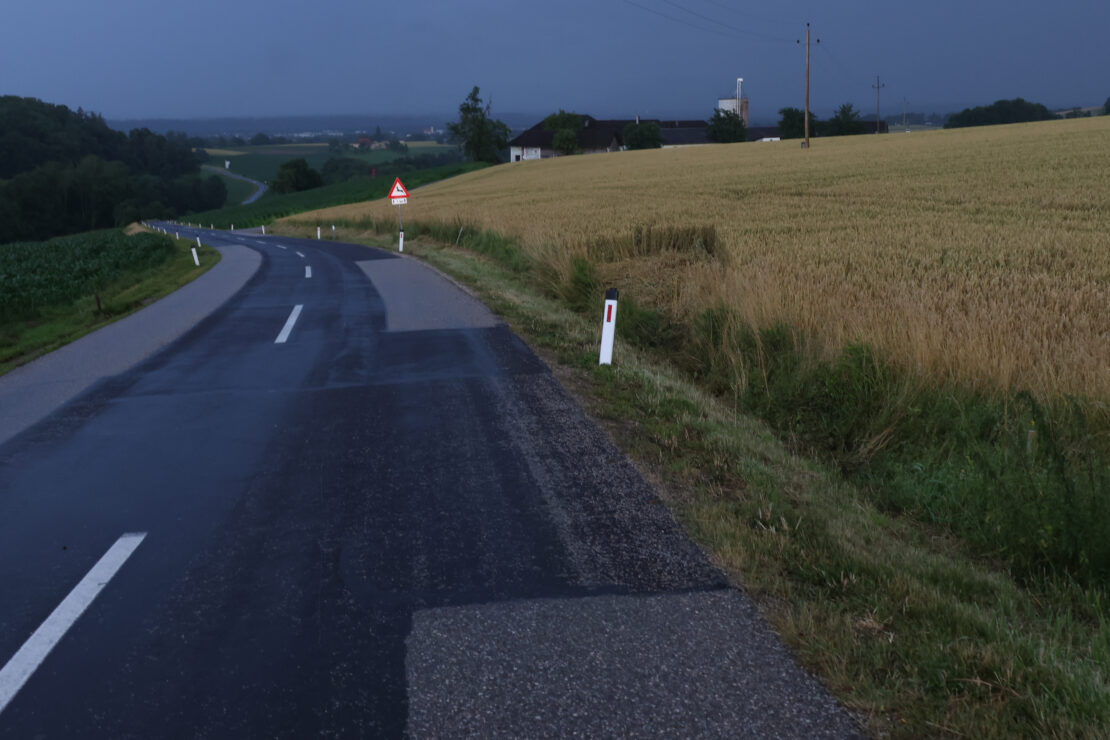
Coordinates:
<point>177,235</point>
<point>263,231</point>
<point>233,227</point>
<point>608,327</point>
<point>196,260</point>
<point>198,241</point>
<point>333,232</point>
<point>317,233</point>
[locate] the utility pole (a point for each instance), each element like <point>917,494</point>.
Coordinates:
<point>806,145</point>
<point>878,92</point>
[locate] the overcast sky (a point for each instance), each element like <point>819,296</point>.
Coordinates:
<point>608,58</point>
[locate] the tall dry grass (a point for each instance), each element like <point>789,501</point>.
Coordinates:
<point>975,255</point>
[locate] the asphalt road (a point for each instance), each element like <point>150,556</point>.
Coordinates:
<point>350,502</point>
<point>260,187</point>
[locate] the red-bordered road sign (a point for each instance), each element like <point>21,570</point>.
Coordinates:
<point>398,195</point>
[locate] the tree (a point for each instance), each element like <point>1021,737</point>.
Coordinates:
<point>342,169</point>
<point>565,141</point>
<point>295,176</point>
<point>792,124</point>
<point>1106,107</point>
<point>726,127</point>
<point>566,127</point>
<point>846,122</point>
<point>481,137</point>
<point>260,139</point>
<point>1017,110</point>
<point>63,171</point>
<point>643,135</point>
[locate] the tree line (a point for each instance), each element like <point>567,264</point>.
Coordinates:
<point>296,175</point>
<point>1017,110</point>
<point>847,121</point>
<point>64,171</point>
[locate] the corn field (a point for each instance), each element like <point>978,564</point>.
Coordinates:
<point>34,275</point>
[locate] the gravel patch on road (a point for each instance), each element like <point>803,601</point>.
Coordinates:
<point>418,298</point>
<point>678,665</point>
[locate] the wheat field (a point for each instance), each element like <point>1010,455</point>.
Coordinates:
<point>975,255</point>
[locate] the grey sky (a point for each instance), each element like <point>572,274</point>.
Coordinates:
<point>610,58</point>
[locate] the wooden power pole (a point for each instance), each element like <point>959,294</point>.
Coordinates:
<point>806,145</point>
<point>878,92</point>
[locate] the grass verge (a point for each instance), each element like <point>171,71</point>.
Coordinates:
<point>907,625</point>
<point>23,340</point>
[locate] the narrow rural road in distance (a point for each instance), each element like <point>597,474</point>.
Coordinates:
<point>260,187</point>
<point>350,502</point>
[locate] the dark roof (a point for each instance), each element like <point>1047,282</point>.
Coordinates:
<point>682,124</point>
<point>602,134</point>
<point>672,136</point>
<point>595,134</point>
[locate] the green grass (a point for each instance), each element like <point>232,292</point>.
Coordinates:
<point>86,307</point>
<point>910,626</point>
<point>273,206</point>
<point>262,162</point>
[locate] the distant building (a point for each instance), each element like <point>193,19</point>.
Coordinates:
<point>603,136</point>
<point>729,104</point>
<point>366,143</point>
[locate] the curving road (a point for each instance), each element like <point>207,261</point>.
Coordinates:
<point>350,502</point>
<point>260,187</point>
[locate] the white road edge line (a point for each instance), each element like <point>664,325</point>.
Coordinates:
<point>285,330</point>
<point>308,271</point>
<point>281,247</point>
<point>29,657</point>
<point>300,254</point>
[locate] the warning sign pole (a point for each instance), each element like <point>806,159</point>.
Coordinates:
<point>398,196</point>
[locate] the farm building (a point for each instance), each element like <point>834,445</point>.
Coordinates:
<point>603,136</point>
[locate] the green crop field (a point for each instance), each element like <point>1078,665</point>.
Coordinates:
<point>35,275</point>
<point>262,162</point>
<point>54,292</point>
<point>274,206</point>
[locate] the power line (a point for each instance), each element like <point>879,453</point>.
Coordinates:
<point>731,9</point>
<point>722,24</point>
<point>678,20</point>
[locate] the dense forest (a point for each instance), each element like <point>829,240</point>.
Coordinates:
<point>63,172</point>
<point>1017,110</point>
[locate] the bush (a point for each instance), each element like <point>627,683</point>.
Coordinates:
<point>295,176</point>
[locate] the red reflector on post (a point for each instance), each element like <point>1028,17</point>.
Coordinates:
<point>609,315</point>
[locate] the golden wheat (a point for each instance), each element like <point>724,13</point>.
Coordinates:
<point>981,255</point>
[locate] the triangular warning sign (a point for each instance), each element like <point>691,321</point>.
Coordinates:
<point>398,190</point>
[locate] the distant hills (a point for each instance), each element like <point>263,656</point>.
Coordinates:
<point>291,126</point>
